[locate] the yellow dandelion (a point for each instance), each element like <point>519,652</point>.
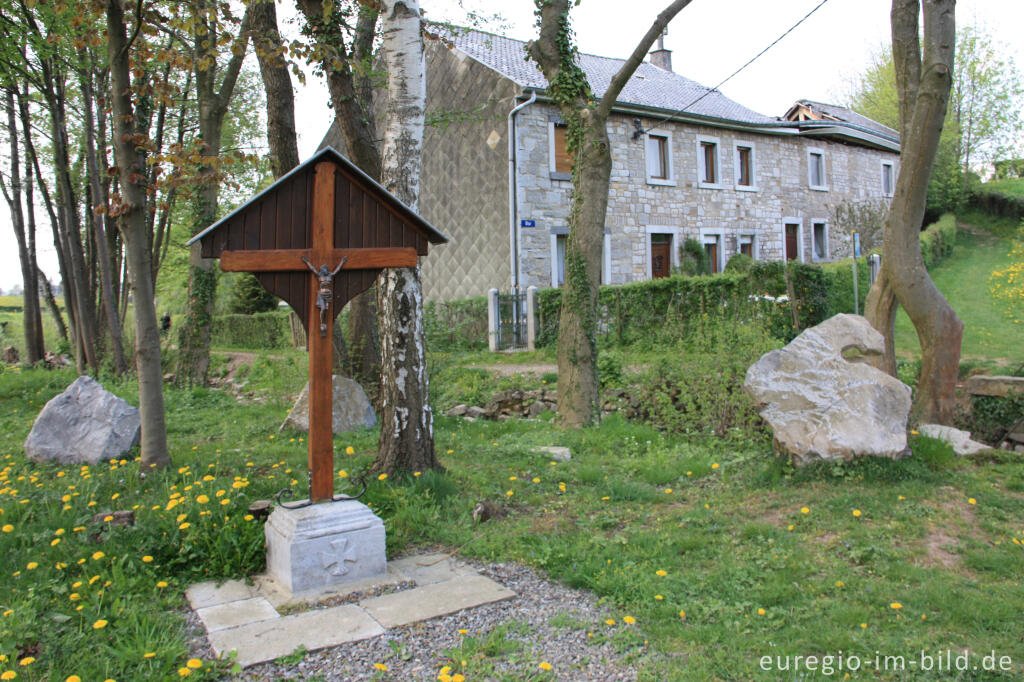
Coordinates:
<point>98,555</point>
<point>610,621</point>
<point>668,491</point>
<point>194,663</point>
<point>658,597</point>
<point>761,612</point>
<point>184,525</point>
<point>856,512</point>
<point>349,450</point>
<point>629,620</point>
<point>162,583</point>
<point>184,672</point>
<point>202,499</point>
<point>342,474</point>
<point>715,465</point>
<point>382,477</point>
<point>380,666</point>
<point>32,565</point>
<point>896,605</point>
<point>8,675</point>
<point>660,572</point>
<point>510,493</point>
<point>72,678</point>
<point>149,654</point>
<point>863,626</point>
<point>682,614</point>
<point>100,624</point>
<point>28,660</point>
<point>971,500</point>
<point>147,559</point>
<point>545,666</point>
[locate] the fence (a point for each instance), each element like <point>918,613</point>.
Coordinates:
<point>511,320</point>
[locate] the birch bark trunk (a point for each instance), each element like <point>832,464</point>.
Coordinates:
<point>407,424</point>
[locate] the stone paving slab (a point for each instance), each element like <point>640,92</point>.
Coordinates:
<point>235,613</point>
<point>202,595</point>
<point>280,597</point>
<point>431,601</point>
<point>430,568</point>
<point>270,639</point>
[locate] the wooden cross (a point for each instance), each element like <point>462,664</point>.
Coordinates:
<point>323,261</point>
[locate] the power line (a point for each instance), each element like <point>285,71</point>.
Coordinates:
<point>730,76</point>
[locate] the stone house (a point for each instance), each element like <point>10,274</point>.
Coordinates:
<point>687,162</point>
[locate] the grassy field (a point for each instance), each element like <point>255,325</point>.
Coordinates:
<point>719,552</point>
<point>989,334</point>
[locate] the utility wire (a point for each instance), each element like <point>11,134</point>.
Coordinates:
<point>730,76</point>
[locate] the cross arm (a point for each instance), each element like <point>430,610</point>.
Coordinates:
<point>286,260</point>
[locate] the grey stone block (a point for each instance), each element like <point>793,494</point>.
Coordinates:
<point>202,595</point>
<point>324,544</point>
<point>235,613</point>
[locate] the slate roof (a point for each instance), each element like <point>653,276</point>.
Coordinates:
<point>650,86</point>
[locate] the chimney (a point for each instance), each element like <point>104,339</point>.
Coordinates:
<point>661,57</point>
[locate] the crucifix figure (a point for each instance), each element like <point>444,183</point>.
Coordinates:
<point>325,292</point>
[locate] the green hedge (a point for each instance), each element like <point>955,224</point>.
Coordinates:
<point>938,240</point>
<point>648,311</point>
<point>259,330</point>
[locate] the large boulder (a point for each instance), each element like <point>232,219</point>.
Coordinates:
<point>823,401</point>
<point>352,409</point>
<point>959,440</point>
<point>85,424</point>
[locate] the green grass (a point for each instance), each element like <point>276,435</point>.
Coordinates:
<point>1013,187</point>
<point>964,279</point>
<point>713,527</point>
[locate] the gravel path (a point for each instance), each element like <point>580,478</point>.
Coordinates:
<point>545,622</point>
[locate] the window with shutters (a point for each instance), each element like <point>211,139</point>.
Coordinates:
<point>559,162</point>
<point>708,168</point>
<point>658,158</point>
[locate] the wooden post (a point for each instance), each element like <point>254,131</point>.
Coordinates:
<point>321,384</point>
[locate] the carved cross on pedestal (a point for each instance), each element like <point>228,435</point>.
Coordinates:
<point>347,225</point>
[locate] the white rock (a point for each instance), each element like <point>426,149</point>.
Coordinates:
<point>352,409</point>
<point>821,405</point>
<point>959,440</point>
<point>85,424</point>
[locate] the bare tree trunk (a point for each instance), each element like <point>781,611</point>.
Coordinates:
<point>30,294</point>
<point>407,423</point>
<point>51,304</point>
<point>99,231</point>
<point>578,389</point>
<point>923,86</point>
<point>353,108</point>
<point>131,169</point>
<point>277,83</point>
<point>194,340</point>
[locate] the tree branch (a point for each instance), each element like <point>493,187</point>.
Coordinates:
<point>906,57</point>
<point>626,71</point>
<point>235,65</point>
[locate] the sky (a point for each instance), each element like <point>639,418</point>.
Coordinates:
<point>709,40</point>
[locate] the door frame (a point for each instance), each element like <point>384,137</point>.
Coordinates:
<point>791,220</point>
<point>673,248</point>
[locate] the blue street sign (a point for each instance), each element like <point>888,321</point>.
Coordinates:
<point>528,223</point>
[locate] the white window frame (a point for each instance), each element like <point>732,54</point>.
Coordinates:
<point>710,234</point>
<point>556,232</point>
<point>881,179</point>
<point>824,170</point>
<point>606,258</point>
<point>554,174</point>
<point>700,162</point>
<point>673,252</point>
<point>799,222</point>
<point>749,237</point>
<point>670,181</point>
<point>814,251</point>
<point>752,187</point>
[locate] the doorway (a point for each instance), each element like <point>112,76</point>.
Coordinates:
<point>661,255</point>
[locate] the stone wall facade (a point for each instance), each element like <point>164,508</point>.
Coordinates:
<point>684,208</point>
<point>465,188</point>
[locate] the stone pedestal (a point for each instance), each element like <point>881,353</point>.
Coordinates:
<point>313,548</point>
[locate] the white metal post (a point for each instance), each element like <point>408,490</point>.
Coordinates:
<point>531,318</point>
<point>492,319</point>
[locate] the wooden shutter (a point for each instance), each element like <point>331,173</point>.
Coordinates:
<point>563,164</point>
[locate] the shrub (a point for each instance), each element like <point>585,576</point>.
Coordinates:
<point>456,325</point>
<point>938,240</point>
<point>693,259</point>
<point>248,296</point>
<point>699,388</point>
<point>739,262</point>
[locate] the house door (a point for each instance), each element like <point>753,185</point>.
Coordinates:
<point>661,255</point>
<point>792,243</point>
